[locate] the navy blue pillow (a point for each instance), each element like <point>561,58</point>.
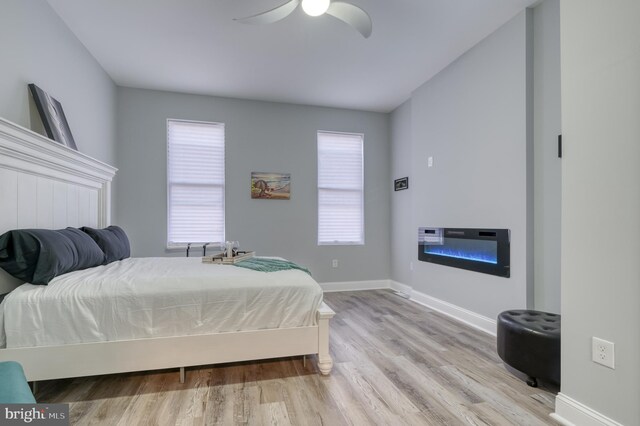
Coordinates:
<point>112,240</point>
<point>37,256</point>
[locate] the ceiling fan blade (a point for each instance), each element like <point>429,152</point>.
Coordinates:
<point>352,15</point>
<point>271,16</point>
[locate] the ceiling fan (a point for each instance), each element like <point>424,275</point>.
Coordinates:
<point>346,12</point>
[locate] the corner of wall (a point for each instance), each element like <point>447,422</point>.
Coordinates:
<point>530,291</point>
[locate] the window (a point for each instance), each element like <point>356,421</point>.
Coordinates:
<point>340,189</point>
<point>195,182</point>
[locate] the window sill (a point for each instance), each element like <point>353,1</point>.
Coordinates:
<point>338,243</point>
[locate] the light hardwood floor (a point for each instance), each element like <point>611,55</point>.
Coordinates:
<point>396,363</point>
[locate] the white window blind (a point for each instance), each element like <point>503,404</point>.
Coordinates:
<point>340,189</point>
<point>195,188</point>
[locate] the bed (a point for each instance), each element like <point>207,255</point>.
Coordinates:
<point>135,314</point>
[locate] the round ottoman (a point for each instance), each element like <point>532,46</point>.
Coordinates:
<point>529,341</point>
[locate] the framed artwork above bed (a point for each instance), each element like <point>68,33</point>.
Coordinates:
<point>53,118</point>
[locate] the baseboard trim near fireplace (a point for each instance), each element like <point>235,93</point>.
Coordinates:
<point>466,316</point>
<point>354,285</point>
<point>570,412</point>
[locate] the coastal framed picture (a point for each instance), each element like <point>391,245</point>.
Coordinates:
<point>400,184</point>
<point>53,118</point>
<point>274,186</point>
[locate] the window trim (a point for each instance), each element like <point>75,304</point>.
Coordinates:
<point>181,246</point>
<point>318,188</point>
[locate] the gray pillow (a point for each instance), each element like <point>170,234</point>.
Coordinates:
<point>37,256</point>
<point>89,253</point>
<point>112,240</point>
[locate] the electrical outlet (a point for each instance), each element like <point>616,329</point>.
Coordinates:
<point>411,266</point>
<point>334,263</point>
<point>602,352</point>
<point>430,162</point>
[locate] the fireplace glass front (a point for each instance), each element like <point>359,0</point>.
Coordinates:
<point>480,250</point>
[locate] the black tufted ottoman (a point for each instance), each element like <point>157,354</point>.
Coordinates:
<point>529,341</point>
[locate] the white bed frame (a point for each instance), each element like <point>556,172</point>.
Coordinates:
<point>44,184</point>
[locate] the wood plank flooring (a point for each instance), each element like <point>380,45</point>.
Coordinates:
<point>395,363</point>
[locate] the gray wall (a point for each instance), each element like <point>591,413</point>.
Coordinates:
<point>37,47</point>
<point>473,119</point>
<point>547,170</point>
<point>260,136</point>
<point>402,252</point>
<point>601,203</point>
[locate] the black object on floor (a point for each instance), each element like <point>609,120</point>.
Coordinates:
<point>529,341</point>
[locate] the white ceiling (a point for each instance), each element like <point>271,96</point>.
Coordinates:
<point>194,46</point>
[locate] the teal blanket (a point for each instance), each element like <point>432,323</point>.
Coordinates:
<point>269,265</point>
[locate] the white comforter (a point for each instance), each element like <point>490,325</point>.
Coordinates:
<point>155,297</point>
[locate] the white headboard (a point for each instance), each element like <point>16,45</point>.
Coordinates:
<point>44,184</point>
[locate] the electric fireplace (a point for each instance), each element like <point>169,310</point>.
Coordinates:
<point>480,250</point>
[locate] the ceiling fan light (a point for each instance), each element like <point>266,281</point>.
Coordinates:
<point>315,7</point>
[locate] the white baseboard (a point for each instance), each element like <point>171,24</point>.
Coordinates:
<point>570,412</point>
<point>473,319</point>
<point>355,285</point>
<point>466,316</point>
<point>401,288</point>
